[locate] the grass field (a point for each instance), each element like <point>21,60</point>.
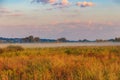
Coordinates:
<point>60,63</point>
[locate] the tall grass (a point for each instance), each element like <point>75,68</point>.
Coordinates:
<point>62,63</point>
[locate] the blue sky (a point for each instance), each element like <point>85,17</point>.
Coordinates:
<point>73,19</point>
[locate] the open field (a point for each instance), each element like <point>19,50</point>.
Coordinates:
<point>60,63</point>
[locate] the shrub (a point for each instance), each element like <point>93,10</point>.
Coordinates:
<point>14,48</point>
<point>1,50</point>
<point>72,52</point>
<point>68,51</point>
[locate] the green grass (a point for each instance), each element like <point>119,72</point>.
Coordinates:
<point>60,63</point>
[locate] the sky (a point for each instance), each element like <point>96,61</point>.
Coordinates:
<point>72,19</point>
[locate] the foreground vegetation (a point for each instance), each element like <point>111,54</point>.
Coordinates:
<point>62,63</point>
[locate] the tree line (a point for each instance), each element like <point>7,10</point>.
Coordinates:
<point>32,39</point>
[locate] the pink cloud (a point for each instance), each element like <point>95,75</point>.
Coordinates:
<point>44,1</point>
<point>8,12</point>
<point>64,2</point>
<point>85,4</point>
<point>52,1</point>
<point>4,10</point>
<point>55,3</point>
<point>15,14</point>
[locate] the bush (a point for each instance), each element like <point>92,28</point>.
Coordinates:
<point>67,51</point>
<point>14,48</point>
<point>72,52</point>
<point>1,50</point>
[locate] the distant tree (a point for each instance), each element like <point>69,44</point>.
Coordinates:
<point>31,39</point>
<point>25,39</point>
<point>111,40</point>
<point>85,40</point>
<point>36,39</point>
<point>79,40</point>
<point>61,39</point>
<point>99,40</point>
<point>117,39</point>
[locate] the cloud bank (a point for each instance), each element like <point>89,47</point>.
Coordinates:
<point>69,29</point>
<point>64,3</point>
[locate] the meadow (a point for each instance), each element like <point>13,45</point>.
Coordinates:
<point>60,63</point>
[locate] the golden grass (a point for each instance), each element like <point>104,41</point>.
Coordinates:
<point>65,63</point>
